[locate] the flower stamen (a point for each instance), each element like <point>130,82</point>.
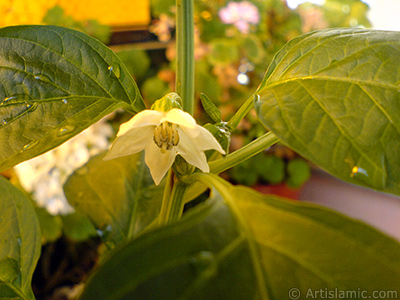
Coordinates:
<point>166,136</point>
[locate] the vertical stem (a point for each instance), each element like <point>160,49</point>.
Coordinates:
<point>173,203</point>
<point>185,53</point>
<point>166,197</point>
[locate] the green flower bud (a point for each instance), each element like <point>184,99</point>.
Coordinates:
<point>168,102</point>
<point>182,167</point>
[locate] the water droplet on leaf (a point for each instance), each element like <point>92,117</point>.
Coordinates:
<point>17,98</point>
<point>43,77</point>
<point>30,145</point>
<point>104,234</point>
<point>66,130</point>
<point>114,71</point>
<point>7,100</point>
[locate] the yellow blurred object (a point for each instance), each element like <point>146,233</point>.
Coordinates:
<point>121,13</point>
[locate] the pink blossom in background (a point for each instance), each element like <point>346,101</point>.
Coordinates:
<point>240,14</point>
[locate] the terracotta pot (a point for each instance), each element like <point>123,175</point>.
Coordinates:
<point>281,190</point>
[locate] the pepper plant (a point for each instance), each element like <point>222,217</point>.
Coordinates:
<point>332,95</point>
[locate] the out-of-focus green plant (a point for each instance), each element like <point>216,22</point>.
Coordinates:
<point>233,52</point>
<point>57,16</point>
<point>270,168</point>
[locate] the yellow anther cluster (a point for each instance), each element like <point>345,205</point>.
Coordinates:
<point>166,136</point>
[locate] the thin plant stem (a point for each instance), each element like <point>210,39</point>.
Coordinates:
<point>185,53</point>
<point>172,204</point>
<point>173,201</point>
<point>260,144</point>
<point>166,198</point>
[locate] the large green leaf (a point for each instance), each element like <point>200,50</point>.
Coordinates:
<point>55,82</point>
<point>244,245</point>
<point>118,196</point>
<point>334,97</point>
<point>19,243</point>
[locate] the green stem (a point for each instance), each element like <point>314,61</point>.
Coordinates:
<point>185,53</point>
<point>166,198</point>
<point>241,113</point>
<point>173,201</point>
<point>263,142</point>
<point>177,204</point>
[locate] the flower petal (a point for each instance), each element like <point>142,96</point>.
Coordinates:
<point>191,153</point>
<point>158,162</point>
<point>203,139</point>
<point>144,118</point>
<point>179,117</point>
<point>133,141</point>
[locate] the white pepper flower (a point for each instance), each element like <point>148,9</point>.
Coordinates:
<point>164,135</point>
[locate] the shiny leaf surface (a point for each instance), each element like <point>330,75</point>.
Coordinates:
<point>55,82</point>
<point>334,97</point>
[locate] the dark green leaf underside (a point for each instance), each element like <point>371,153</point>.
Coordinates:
<point>334,97</point>
<point>249,247</point>
<point>55,82</point>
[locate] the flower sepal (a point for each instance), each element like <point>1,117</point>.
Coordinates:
<point>181,167</point>
<point>168,102</point>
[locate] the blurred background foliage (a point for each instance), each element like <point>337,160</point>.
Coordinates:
<point>231,60</point>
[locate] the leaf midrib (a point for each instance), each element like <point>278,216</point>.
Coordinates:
<point>321,41</point>
<point>290,215</point>
<point>69,61</point>
<point>360,83</point>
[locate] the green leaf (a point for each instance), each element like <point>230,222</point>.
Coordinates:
<point>19,243</point>
<point>223,51</point>
<point>50,226</point>
<point>137,61</point>
<point>77,227</point>
<point>244,245</point>
<point>118,196</point>
<point>55,82</point>
<point>298,171</point>
<point>210,108</point>
<point>334,97</point>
